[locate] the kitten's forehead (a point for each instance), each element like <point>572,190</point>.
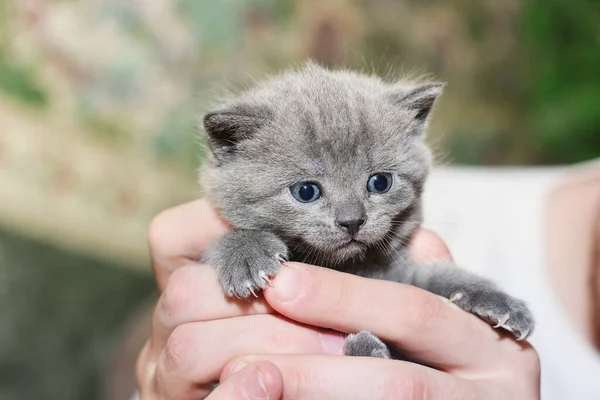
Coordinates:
<point>342,135</point>
<point>313,123</point>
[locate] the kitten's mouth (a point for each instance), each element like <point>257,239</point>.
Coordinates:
<point>352,243</point>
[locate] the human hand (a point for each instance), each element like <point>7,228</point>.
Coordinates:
<point>196,330</point>
<point>256,381</point>
<point>471,360</point>
<point>179,235</point>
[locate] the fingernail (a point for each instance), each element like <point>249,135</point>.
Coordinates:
<point>332,342</point>
<point>287,283</point>
<point>253,387</point>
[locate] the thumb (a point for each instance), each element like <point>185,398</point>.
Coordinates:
<point>258,381</point>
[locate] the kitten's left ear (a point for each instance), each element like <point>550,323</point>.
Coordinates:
<point>420,99</point>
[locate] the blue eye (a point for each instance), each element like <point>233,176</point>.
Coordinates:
<point>306,192</point>
<point>379,183</point>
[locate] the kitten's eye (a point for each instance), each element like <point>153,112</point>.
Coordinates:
<point>306,192</point>
<point>379,183</point>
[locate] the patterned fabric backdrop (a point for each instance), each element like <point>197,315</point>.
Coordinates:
<point>99,99</point>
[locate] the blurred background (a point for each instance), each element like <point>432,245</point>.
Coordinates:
<point>99,102</point>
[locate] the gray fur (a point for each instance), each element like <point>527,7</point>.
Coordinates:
<point>365,344</point>
<point>334,128</point>
<point>245,259</point>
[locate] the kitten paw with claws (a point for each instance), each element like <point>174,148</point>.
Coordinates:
<point>496,308</point>
<point>245,260</point>
<point>365,344</point>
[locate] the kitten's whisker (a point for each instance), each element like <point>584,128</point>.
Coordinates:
<point>312,254</point>
<point>390,248</point>
<point>386,250</point>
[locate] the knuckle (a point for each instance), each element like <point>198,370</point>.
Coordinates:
<point>302,381</point>
<point>177,348</point>
<point>273,339</point>
<point>408,385</point>
<point>179,294</point>
<point>419,311</point>
<point>280,338</point>
<point>158,230</point>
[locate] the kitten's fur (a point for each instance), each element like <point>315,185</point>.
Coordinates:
<point>335,128</point>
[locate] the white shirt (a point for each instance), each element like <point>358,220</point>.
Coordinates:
<point>493,221</point>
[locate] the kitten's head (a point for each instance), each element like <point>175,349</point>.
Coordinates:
<point>333,161</point>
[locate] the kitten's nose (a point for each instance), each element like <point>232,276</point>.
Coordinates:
<point>352,226</point>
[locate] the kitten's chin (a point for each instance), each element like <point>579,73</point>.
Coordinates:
<point>330,254</point>
<point>350,250</point>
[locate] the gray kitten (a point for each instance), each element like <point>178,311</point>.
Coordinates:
<point>328,167</point>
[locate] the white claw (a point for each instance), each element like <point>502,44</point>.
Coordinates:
<point>456,297</point>
<point>264,275</point>
<point>252,291</point>
<point>524,335</point>
<point>249,286</point>
<point>502,322</point>
<point>281,259</point>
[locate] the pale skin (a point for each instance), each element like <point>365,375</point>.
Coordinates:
<point>572,218</point>
<point>285,345</point>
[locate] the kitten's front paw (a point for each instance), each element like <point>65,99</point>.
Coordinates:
<point>365,344</point>
<point>497,308</point>
<point>245,260</point>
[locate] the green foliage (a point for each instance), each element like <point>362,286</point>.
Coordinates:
<point>535,81</point>
<point>217,23</point>
<point>176,140</point>
<point>564,45</point>
<point>20,82</point>
<point>105,129</point>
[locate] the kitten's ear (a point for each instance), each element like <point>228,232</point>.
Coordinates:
<point>227,127</point>
<point>420,98</point>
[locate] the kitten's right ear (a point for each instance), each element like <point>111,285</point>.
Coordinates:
<point>419,99</point>
<point>227,127</point>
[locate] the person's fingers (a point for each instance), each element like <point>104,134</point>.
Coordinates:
<point>427,246</point>
<point>144,371</point>
<point>193,294</point>
<point>196,353</point>
<point>258,381</point>
<point>418,323</point>
<point>179,235</point>
<point>347,378</point>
